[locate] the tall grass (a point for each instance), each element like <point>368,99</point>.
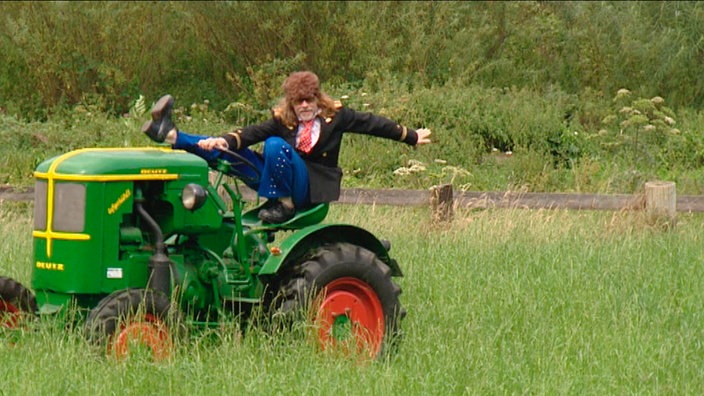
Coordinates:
<point>16,244</point>
<point>499,301</point>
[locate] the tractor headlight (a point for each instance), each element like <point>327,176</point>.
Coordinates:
<point>193,196</point>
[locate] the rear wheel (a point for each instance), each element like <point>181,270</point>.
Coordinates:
<point>134,321</point>
<point>350,299</point>
<point>17,303</point>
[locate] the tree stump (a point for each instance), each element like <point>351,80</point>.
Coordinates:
<point>441,203</point>
<point>661,203</point>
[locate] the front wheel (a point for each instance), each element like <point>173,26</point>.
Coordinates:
<point>352,301</point>
<point>128,321</point>
<point>17,303</point>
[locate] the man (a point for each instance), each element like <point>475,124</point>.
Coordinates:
<point>299,164</point>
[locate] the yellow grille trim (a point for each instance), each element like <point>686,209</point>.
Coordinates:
<point>51,176</point>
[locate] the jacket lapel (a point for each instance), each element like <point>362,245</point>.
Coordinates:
<point>325,132</point>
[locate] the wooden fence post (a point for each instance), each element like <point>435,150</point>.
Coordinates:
<point>441,203</point>
<point>212,177</point>
<point>661,203</point>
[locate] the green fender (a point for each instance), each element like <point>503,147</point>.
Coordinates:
<point>301,241</point>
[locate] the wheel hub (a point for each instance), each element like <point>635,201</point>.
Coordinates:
<point>341,327</point>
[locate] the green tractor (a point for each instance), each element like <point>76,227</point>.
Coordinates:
<point>143,245</point>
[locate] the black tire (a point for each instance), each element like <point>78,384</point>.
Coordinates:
<point>352,280</point>
<point>134,317</point>
<point>17,303</point>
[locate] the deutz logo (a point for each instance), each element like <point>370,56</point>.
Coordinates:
<point>50,266</point>
<point>116,205</point>
<point>153,171</point>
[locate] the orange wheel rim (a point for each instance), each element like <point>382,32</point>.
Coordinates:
<point>149,332</point>
<point>9,315</point>
<point>350,317</point>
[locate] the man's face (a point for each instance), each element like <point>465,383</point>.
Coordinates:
<point>306,108</point>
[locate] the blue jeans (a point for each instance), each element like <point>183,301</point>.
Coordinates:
<point>283,172</point>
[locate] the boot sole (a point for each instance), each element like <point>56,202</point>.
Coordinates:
<point>161,106</point>
<point>146,126</point>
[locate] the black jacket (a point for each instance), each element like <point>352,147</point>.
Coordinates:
<point>322,162</point>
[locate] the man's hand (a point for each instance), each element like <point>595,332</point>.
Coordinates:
<point>423,136</point>
<point>213,143</point>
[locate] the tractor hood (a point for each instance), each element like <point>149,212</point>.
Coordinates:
<point>149,163</point>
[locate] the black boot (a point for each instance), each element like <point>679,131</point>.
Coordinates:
<point>161,122</point>
<point>276,214</point>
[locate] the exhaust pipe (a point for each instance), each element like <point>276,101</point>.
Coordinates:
<point>159,263</point>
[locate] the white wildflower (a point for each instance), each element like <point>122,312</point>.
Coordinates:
<point>657,100</point>
<point>669,121</point>
<point>465,187</point>
<point>414,166</point>
<point>402,171</point>
<point>649,128</point>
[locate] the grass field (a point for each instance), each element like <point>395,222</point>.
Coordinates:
<point>499,302</point>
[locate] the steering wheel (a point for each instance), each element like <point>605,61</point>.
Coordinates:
<point>239,159</point>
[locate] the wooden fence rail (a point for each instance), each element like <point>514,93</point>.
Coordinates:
<point>470,199</point>
<point>685,203</point>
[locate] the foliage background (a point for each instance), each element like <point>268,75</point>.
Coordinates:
<point>519,95</point>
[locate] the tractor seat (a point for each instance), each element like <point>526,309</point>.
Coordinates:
<point>302,218</point>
